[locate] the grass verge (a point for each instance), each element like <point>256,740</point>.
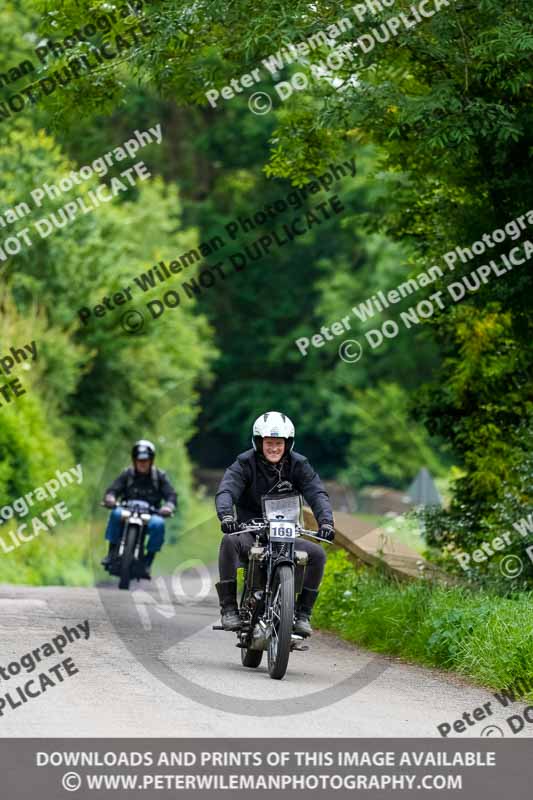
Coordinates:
<point>480,635</point>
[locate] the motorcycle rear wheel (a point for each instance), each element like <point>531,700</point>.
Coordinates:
<point>127,558</point>
<point>279,646</point>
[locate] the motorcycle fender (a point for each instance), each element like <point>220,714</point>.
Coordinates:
<point>284,560</point>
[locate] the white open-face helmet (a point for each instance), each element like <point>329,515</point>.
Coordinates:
<point>273,424</point>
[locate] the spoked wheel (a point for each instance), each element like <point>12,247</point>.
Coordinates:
<point>279,646</point>
<point>127,558</point>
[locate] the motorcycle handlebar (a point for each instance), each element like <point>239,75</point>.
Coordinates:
<point>150,510</point>
<point>299,532</point>
<point>313,535</point>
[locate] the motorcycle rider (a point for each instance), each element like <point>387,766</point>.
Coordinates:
<point>270,466</point>
<point>141,481</point>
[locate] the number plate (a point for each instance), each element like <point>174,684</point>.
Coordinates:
<point>282,531</point>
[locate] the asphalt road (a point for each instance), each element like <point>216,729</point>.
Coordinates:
<point>153,666</point>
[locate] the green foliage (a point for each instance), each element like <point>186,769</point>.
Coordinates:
<point>485,405</point>
<point>335,266</point>
<point>93,388</point>
<point>386,446</point>
<point>468,523</point>
<point>113,243</point>
<point>289,294</point>
<point>439,119</point>
<point>29,440</point>
<point>58,558</point>
<point>477,634</point>
<point>449,106</point>
<point>28,446</point>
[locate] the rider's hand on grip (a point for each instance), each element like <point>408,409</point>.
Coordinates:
<point>110,501</point>
<point>165,511</point>
<point>327,532</point>
<point>229,524</point>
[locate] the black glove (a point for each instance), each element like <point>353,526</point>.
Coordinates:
<point>110,501</point>
<point>327,532</point>
<point>165,511</point>
<point>229,524</point>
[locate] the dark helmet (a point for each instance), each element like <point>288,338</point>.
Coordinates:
<point>143,449</point>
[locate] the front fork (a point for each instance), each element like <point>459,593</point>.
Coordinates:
<point>270,600</point>
<point>139,544</point>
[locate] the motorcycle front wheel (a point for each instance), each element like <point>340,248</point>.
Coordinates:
<point>127,558</point>
<point>279,646</point>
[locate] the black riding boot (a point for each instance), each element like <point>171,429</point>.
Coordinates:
<point>111,555</point>
<point>304,608</point>
<point>148,560</point>
<point>227,594</point>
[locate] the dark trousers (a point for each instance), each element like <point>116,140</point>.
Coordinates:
<point>234,549</point>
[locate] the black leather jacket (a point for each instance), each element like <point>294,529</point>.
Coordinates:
<point>251,476</point>
<point>153,488</point>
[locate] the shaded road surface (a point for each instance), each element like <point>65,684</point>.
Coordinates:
<point>177,677</point>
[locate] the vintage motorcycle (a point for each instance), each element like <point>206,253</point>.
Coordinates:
<point>273,577</point>
<point>128,563</point>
